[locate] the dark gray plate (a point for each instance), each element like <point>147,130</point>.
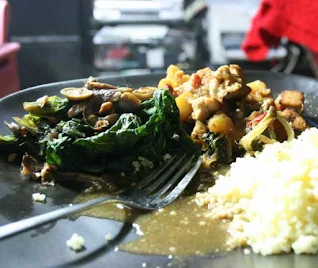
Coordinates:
<point>45,246</point>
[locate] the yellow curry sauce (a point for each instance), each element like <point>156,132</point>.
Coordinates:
<point>179,229</point>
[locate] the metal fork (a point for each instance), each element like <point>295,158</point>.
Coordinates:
<point>159,189</point>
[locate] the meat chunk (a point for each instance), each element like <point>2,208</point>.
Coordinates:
<point>203,106</point>
<point>298,123</point>
<point>290,99</point>
<point>228,82</point>
<point>259,97</point>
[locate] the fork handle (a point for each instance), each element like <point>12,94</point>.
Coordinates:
<point>24,225</point>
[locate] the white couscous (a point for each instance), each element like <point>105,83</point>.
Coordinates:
<point>271,200</point>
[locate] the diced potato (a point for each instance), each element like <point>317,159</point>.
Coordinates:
<point>220,123</point>
<point>175,77</point>
<point>184,106</point>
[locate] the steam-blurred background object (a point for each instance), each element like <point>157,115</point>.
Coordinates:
<point>63,40</point>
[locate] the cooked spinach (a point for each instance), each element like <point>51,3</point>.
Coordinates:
<point>52,106</point>
<point>72,145</point>
<point>219,146</point>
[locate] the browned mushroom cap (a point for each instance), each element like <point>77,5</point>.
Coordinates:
<point>98,85</point>
<point>128,102</point>
<point>106,121</point>
<point>105,107</point>
<point>92,105</point>
<point>125,89</point>
<point>144,93</point>
<point>76,94</point>
<point>42,101</point>
<point>31,166</point>
<point>76,109</point>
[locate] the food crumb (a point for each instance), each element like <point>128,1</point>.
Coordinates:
<point>38,197</point>
<point>76,242</point>
<point>108,236</point>
<point>144,264</point>
<point>247,251</point>
<point>173,213</point>
<point>145,162</point>
<point>136,166</point>
<point>175,137</point>
<point>166,157</point>
<point>122,174</point>
<point>202,223</point>
<point>172,248</point>
<point>120,206</point>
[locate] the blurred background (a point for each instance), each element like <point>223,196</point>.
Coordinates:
<point>59,40</point>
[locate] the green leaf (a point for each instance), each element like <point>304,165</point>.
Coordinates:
<point>30,122</point>
<point>53,106</point>
<point>124,134</point>
<point>7,139</point>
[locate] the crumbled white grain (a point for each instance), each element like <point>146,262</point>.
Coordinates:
<point>271,200</point>
<point>138,230</point>
<point>76,242</point>
<point>144,264</point>
<point>120,206</point>
<point>145,162</point>
<point>108,236</point>
<point>173,213</point>
<point>38,197</point>
<point>136,165</point>
<point>166,157</point>
<point>247,251</point>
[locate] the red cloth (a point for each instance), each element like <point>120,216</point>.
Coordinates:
<point>297,20</point>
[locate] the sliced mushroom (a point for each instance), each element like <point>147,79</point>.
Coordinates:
<point>76,109</point>
<point>18,131</point>
<point>144,93</point>
<point>125,89</point>
<point>107,121</point>
<point>98,85</point>
<point>76,94</point>
<point>42,101</point>
<point>105,107</point>
<point>128,102</point>
<point>31,166</point>
<point>100,124</point>
<point>112,118</point>
<point>92,105</point>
